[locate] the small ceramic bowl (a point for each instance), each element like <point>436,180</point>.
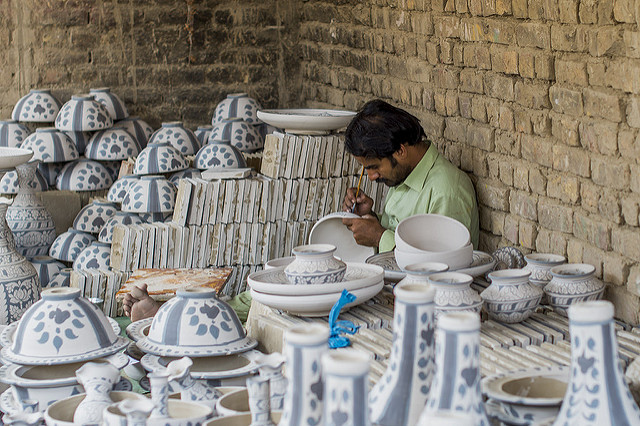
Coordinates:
<point>241,134</point>
<point>80,140</point>
<point>202,133</point>
<point>119,188</point>
<point>159,158</point>
<point>68,245</point>
<point>9,183</point>
<point>116,108</point>
<point>138,128</point>
<point>49,172</point>
<point>60,328</point>
<point>49,145</point>
<point>83,175</point>
<point>38,106</point>
<point>46,267</point>
<point>237,105</point>
<point>96,256</point>
<point>219,154</point>
<point>12,133</point>
<point>61,279</point>
<point>431,233</point>
<point>456,259</point>
<point>61,413</point>
<point>178,136</point>
<point>83,114</point>
<point>150,194</point>
<point>183,174</point>
<point>120,218</point>
<point>111,145</point>
<point>93,216</point>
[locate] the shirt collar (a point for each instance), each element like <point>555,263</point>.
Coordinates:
<point>418,175</point>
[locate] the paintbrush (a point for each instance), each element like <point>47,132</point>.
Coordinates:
<point>353,208</point>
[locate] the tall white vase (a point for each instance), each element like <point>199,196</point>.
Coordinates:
<point>346,386</point>
<point>401,393</point>
<point>597,393</point>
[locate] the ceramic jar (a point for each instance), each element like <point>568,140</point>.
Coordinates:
<point>83,114</point>
<point>401,393</point>
<point>98,380</point>
<point>304,347</point>
<point>572,283</point>
<point>12,133</point>
<point>418,272</point>
<point>31,223</point>
<point>346,385</point>
<point>456,384</point>
<point>237,105</point>
<point>241,134</point>
<point>454,293</point>
<point>511,298</point>
<point>259,401</point>
<point>114,105</point>
<point>597,393</point>
<point>38,106</point>
<point>138,128</point>
<point>315,264</point>
<point>178,136</point>
<point>46,267</point>
<point>540,264</point>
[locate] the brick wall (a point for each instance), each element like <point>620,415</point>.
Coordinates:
<point>537,100</point>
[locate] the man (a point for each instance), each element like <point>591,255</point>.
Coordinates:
<point>392,147</point>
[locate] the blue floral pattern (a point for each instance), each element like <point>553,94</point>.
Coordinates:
<point>237,105</point>
<point>93,216</point>
<point>96,256</point>
<point>114,105</point>
<point>151,194</point>
<point>183,174</point>
<point>241,134</point>
<point>120,218</point>
<point>9,182</point>
<point>12,133</point>
<point>159,158</point>
<point>68,245</point>
<point>219,154</point>
<point>138,128</point>
<point>119,188</point>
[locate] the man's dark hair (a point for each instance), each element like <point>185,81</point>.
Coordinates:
<point>378,130</point>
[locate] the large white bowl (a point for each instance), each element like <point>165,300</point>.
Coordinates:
<point>12,157</point>
<point>431,233</point>
<point>306,121</point>
<point>456,259</point>
<point>159,158</point>
<point>150,194</point>
<point>331,230</point>
<point>181,138</point>
<point>114,105</point>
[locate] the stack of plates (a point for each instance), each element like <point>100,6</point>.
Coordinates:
<point>271,287</point>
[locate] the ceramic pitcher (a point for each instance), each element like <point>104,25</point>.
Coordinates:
<point>346,386</point>
<point>98,379</point>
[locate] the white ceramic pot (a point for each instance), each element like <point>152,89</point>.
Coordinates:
<point>540,264</point>
<point>233,403</point>
<point>455,259</point>
<point>98,380</point>
<point>572,283</point>
<point>12,133</point>
<point>83,114</point>
<point>61,413</point>
<point>50,145</point>
<point>96,256</point>
<point>119,188</point>
<point>346,384</point>
<point>38,106</point>
<point>114,105</point>
<point>178,136</point>
<point>511,298</point>
<point>138,128</point>
<point>454,293</point>
<point>92,217</point>
<point>237,105</point>
<point>431,233</point>
<point>159,158</point>
<point>111,145</point>
<point>315,264</point>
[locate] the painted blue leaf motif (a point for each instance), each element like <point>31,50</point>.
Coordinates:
<point>69,333</point>
<point>214,331</point>
<point>39,316</point>
<point>317,389</point>
<point>193,320</point>
<point>585,363</point>
<point>39,327</point>
<point>202,329</point>
<point>44,337</point>
<point>339,418</point>
<point>57,342</point>
<point>225,326</point>
<point>59,316</point>
<point>225,316</point>
<point>210,311</point>
<point>469,375</point>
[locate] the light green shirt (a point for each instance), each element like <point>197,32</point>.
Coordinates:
<point>434,186</point>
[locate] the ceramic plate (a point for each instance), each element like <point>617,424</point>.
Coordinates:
<point>492,386</point>
<point>138,329</point>
<point>306,121</point>
<point>209,368</point>
<point>330,230</point>
<point>12,157</point>
<point>315,305</point>
<point>274,281</point>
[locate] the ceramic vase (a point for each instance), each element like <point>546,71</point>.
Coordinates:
<point>98,380</point>
<point>159,383</point>
<point>315,264</point>
<point>346,387</point>
<point>31,223</point>
<point>511,298</point>
<point>271,369</point>
<point>399,396</point>
<point>456,384</point>
<point>454,293</point>
<point>597,393</point>
<point>304,347</point>
<point>191,389</point>
<point>259,401</point>
<point>572,283</point>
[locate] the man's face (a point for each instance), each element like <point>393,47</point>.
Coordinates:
<point>385,170</point>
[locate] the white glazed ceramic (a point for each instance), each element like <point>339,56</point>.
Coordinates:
<point>61,412</point>
<point>241,419</point>
<point>346,384</point>
<point>150,194</point>
<point>278,262</point>
<point>511,298</point>
<point>9,182</point>
<point>456,259</point>
<point>120,218</point>
<point>113,167</point>
<point>454,294</point>
<point>119,188</point>
<point>239,133</point>
<point>330,230</point>
<point>306,121</point>
<point>181,413</point>
<point>96,256</point>
<point>114,105</point>
<point>50,145</point>
<point>83,114</point>
<point>178,136</point>
<point>237,105</point>
<point>11,157</point>
<point>159,158</point>
<point>315,264</point>
<point>49,173</point>
<point>271,368</point>
<point>431,233</point>
<point>418,272</point>
<point>46,267</point>
<point>219,153</point>
<point>60,328</point>
<point>92,217</point>
<point>259,401</point>
<point>98,379</point>
<point>111,145</point>
<point>572,283</point>
<point>202,134</point>
<point>83,175</point>
<point>210,368</point>
<point>61,279</point>
<point>233,403</point>
<point>68,245</point>
<point>540,264</point>
<point>12,133</point>
<point>183,174</point>
<point>138,128</point>
<point>38,106</point>
<point>80,140</point>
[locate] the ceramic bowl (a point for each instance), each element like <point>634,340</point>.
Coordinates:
<point>138,128</point>
<point>49,172</point>
<point>266,129</point>
<point>12,133</point>
<point>456,259</point>
<point>83,175</point>
<point>183,174</point>
<point>155,217</point>
<point>210,327</point>
<point>111,145</point>
<point>241,134</point>
<point>96,256</point>
<point>116,108</point>
<point>80,140</point>
<point>120,218</point>
<point>572,283</point>
<point>61,413</point>
<point>150,194</point>
<point>83,114</point>
<point>92,217</point>
<point>159,158</point>
<point>233,403</point>
<point>119,188</point>
<point>315,264</point>
<point>12,157</point>
<point>61,279</point>
<point>210,367</point>
<point>46,267</point>
<point>237,105</point>
<point>540,264</point>
<point>431,233</point>
<point>241,420</point>
<point>330,230</point>
<point>181,413</point>
<point>9,183</point>
<point>202,133</point>
<point>178,136</point>
<point>49,145</point>
<point>306,121</point>
<point>60,328</point>
<point>38,106</point>
<point>68,245</point>
<point>219,154</point>
<point>454,293</point>
<point>278,262</point>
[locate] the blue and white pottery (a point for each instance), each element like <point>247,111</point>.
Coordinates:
<point>60,413</point>
<point>111,145</point>
<point>92,217</point>
<point>80,140</point>
<point>38,106</point>
<point>150,194</point>
<point>219,154</point>
<point>98,380</point>
<point>96,256</point>
<point>456,384</point>
<point>597,393</point>
<point>49,145</point>
<point>315,264</point>
<point>401,393</point>
<point>159,158</point>
<point>179,413</point>
<point>61,279</point>
<point>183,174</point>
<point>202,133</point>
<point>114,105</point>
<point>540,264</point>
<point>32,225</point>
<point>304,346</point>
<point>241,134</point>
<point>418,272</point>
<point>181,138</point>
<point>138,128</point>
<point>68,245</point>
<point>346,384</point>
<point>12,133</point>
<point>83,175</point>
<point>120,218</point>
<point>48,172</point>
<point>208,327</point>
<point>259,401</point>
<point>155,217</point>
<point>237,105</point>
<point>190,389</point>
<point>46,267</point>
<point>113,167</point>
<point>265,129</point>
<point>454,293</point>
<point>60,328</point>
<point>511,298</point>
<point>9,183</point>
<point>271,369</point>
<point>119,188</point>
<point>83,114</point>
<point>572,283</point>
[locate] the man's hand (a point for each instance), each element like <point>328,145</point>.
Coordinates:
<point>367,230</point>
<point>364,204</point>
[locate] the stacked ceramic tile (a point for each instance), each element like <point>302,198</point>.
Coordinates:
<point>100,284</point>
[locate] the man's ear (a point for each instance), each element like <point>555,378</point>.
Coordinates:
<point>402,153</point>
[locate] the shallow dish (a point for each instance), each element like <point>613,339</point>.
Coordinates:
<point>306,121</point>
<point>212,367</point>
<point>330,230</point>
<point>12,157</point>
